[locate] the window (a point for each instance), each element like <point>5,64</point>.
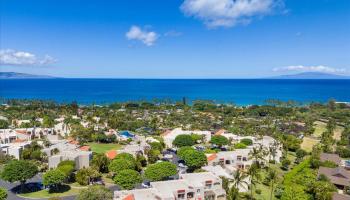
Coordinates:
<point>239,158</point>
<point>181,196</point>
<point>227,162</point>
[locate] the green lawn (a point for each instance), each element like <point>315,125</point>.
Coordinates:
<point>320,127</point>
<point>102,148</point>
<point>45,194</point>
<point>308,143</point>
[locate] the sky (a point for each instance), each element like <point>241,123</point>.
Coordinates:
<point>174,38</point>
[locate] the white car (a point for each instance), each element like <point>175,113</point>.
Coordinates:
<point>168,156</point>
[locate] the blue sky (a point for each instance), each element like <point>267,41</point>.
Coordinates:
<point>174,38</point>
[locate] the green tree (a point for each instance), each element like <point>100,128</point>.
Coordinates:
<point>19,170</point>
<point>194,159</point>
<point>48,122</point>
<point>153,155</point>
<point>273,177</point>
<point>121,164</point>
<point>95,192</point>
<point>183,140</point>
<point>100,162</point>
<point>254,175</point>
<point>323,190</point>
<point>87,175</point>
<point>53,179</point>
<point>67,170</point>
<point>127,179</point>
<point>3,193</point>
<point>219,140</point>
<point>160,171</point>
<point>300,153</point>
<point>4,124</point>
<point>294,192</point>
<point>181,152</point>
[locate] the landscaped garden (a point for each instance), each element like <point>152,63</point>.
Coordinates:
<point>65,190</point>
<point>103,147</point>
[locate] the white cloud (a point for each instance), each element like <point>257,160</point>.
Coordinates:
<point>146,37</point>
<point>22,58</point>
<point>319,68</point>
<point>228,13</point>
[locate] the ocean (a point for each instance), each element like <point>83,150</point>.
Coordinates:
<point>238,91</point>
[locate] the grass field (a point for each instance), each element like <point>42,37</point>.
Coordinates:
<point>308,143</point>
<point>102,148</point>
<point>45,194</point>
<point>320,127</point>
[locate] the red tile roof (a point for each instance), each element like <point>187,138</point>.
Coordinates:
<point>129,197</point>
<point>111,154</point>
<point>220,132</point>
<point>166,132</point>
<point>212,157</point>
<point>74,142</point>
<point>85,148</point>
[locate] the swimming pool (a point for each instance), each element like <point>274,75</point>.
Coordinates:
<point>126,134</point>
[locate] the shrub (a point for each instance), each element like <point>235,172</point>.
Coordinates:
<point>240,146</point>
<point>329,164</point>
<point>3,193</point>
<point>95,192</point>
<point>67,162</point>
<point>258,191</point>
<point>343,152</point>
<point>219,140</point>
<point>246,141</point>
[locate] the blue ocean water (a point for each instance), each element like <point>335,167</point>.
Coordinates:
<point>238,91</point>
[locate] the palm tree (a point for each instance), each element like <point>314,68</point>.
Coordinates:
<point>239,179</point>
<point>273,177</point>
<point>256,154</point>
<point>254,175</point>
<point>231,186</point>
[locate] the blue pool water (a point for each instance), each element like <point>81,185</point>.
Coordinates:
<point>239,91</point>
<point>126,134</point>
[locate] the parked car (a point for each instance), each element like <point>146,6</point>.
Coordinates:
<point>168,156</point>
<point>146,184</point>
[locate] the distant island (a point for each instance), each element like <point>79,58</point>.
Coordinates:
<point>311,75</point>
<point>15,75</point>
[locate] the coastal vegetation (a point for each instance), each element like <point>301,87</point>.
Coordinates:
<point>303,131</point>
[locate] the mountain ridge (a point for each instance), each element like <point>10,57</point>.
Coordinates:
<point>310,75</point>
<point>16,75</point>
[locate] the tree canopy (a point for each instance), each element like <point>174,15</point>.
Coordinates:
<point>19,170</point>
<point>160,171</point>
<point>183,140</point>
<point>127,179</point>
<point>53,178</point>
<point>95,192</point>
<point>219,140</point>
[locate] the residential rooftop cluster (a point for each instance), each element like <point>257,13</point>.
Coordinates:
<point>174,151</point>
